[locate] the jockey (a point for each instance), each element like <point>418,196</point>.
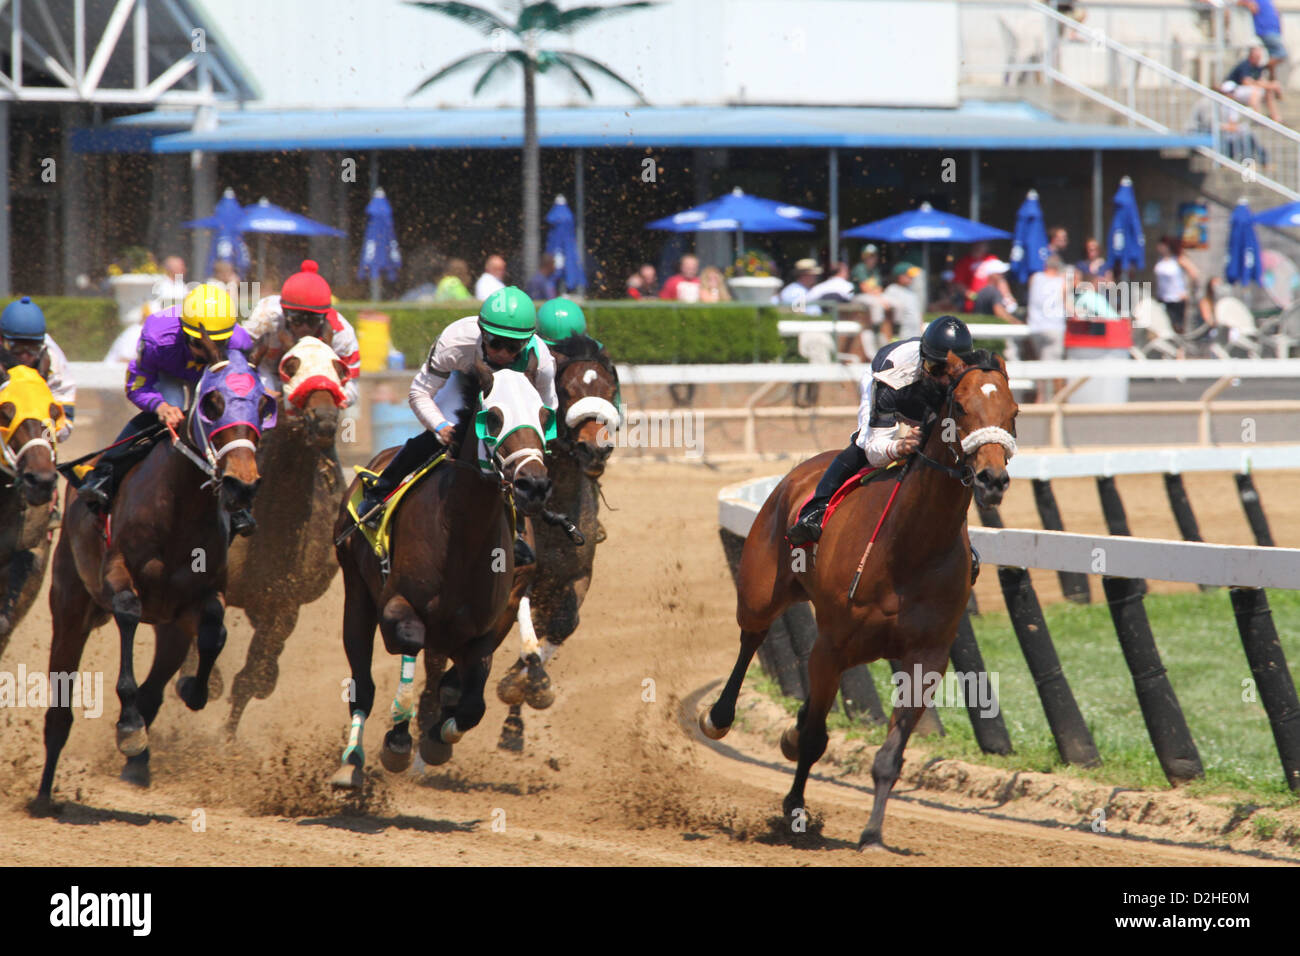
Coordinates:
<point>24,341</point>
<point>903,375</point>
<point>503,335</point>
<point>302,308</point>
<point>169,358</point>
<point>558,319</point>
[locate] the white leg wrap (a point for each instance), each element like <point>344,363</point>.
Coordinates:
<point>547,650</point>
<point>527,634</point>
<point>404,701</point>
<point>354,736</point>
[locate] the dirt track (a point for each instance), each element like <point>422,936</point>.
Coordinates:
<point>606,777</point>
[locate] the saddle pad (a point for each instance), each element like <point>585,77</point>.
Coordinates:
<point>861,478</point>
<point>378,537</point>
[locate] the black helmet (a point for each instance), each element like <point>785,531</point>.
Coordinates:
<point>946,333</point>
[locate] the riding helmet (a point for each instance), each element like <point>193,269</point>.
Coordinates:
<point>509,313</point>
<point>559,319</point>
<point>23,319</point>
<point>945,334</point>
<point>209,308</point>
<point>306,291</point>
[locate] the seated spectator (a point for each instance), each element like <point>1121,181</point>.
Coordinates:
<point>713,286</point>
<point>1251,88</point>
<point>994,297</point>
<point>867,269</point>
<point>1215,289</point>
<point>1268,27</point>
<point>795,294</point>
<point>880,312</point>
<point>838,287</point>
<point>454,284</point>
<point>963,271</point>
<point>684,286</point>
<point>906,304</point>
<point>493,277</point>
<point>1092,267</point>
<point>644,284</point>
<point>542,286</point>
<point>1238,140</point>
<point>1058,240</point>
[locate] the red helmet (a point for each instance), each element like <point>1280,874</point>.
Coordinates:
<point>306,290</point>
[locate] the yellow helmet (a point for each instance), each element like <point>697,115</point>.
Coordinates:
<point>209,308</point>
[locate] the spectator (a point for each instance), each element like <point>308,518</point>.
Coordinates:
<point>542,286</point>
<point>1048,303</point>
<point>994,297</point>
<point>836,288</point>
<point>169,288</point>
<point>713,286</point>
<point>1175,274</point>
<point>1092,267</point>
<point>986,272</point>
<point>868,268</point>
<point>493,277</point>
<point>906,305</point>
<point>1251,88</point>
<point>881,311</point>
<point>454,284</point>
<point>795,294</point>
<point>963,271</point>
<point>1214,291</point>
<point>685,285</point>
<point>644,284</point>
<point>1057,242</point>
<point>1268,27</point>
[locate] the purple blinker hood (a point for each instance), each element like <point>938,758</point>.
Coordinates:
<point>239,385</point>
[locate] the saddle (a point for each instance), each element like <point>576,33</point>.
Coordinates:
<point>378,538</point>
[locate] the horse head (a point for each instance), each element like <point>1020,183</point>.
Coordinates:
<point>313,380</point>
<point>983,410</point>
<point>230,411</point>
<point>513,427</point>
<point>587,384</point>
<point>29,419</point>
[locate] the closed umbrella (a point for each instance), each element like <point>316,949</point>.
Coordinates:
<point>227,239</point>
<point>380,256</point>
<point>1029,243</point>
<point>1128,246</point>
<point>1244,265</point>
<point>562,243</point>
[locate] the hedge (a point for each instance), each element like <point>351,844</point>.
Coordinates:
<point>83,327</point>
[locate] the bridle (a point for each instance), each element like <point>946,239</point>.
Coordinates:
<point>588,407</point>
<point>988,435</point>
<point>12,459</point>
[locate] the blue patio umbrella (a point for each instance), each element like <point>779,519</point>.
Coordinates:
<point>562,243</point>
<point>227,240</point>
<point>1243,266</point>
<point>1287,215</point>
<point>1128,246</point>
<point>380,256</point>
<point>266,218</point>
<point>739,212</point>
<point>1029,244</point>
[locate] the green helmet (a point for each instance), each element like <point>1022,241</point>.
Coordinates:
<point>509,313</point>
<point>558,319</point>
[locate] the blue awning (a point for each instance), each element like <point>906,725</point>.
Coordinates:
<point>974,125</point>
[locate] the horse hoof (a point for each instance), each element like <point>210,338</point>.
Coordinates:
<point>195,697</point>
<point>790,743</point>
<point>433,751</point>
<point>396,752</point>
<point>43,805</point>
<point>510,688</point>
<point>707,726</point>
<point>132,741</point>
<point>539,695</point>
<point>347,777</point>
<point>512,735</point>
<point>870,840</point>
<point>136,770</point>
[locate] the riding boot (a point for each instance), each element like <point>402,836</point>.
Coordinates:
<point>414,453</point>
<point>845,465</point>
<point>99,485</point>
<point>974,565</point>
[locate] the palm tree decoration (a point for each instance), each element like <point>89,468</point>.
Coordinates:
<point>534,20</point>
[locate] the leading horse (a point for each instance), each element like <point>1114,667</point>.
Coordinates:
<point>159,558</point>
<point>899,596</point>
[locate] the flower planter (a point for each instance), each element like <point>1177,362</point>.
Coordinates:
<point>759,289</point>
<point>131,291</point>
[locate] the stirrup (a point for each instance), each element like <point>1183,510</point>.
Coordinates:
<point>808,528</point>
<point>367,505</point>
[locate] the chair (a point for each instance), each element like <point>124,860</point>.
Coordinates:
<point>1150,317</point>
<point>1232,315</point>
<point>1283,330</point>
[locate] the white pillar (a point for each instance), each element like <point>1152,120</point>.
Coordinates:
<point>1098,225</point>
<point>203,199</point>
<point>5,277</point>
<point>580,205</point>
<point>71,179</point>
<point>834,175</point>
<point>975,185</point>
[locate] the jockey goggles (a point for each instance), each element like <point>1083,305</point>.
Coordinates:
<point>499,343</point>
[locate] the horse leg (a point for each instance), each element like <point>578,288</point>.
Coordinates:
<point>429,697</point>
<point>823,685</point>
<point>261,670</point>
<point>461,695</point>
<point>527,679</point>
<point>211,639</point>
<point>132,735</point>
<point>359,619</point>
<point>889,758</point>
<point>717,720</point>
<point>396,753</point>
<point>171,643</point>
<point>512,730</point>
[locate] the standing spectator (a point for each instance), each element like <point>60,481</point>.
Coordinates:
<point>713,286</point>
<point>454,284</point>
<point>1268,27</point>
<point>837,287</point>
<point>644,284</point>
<point>1175,276</point>
<point>1092,267</point>
<point>907,307</point>
<point>868,268</point>
<point>1048,304</point>
<point>1252,89</point>
<point>963,270</point>
<point>493,277</point>
<point>685,285</point>
<point>542,286</point>
<point>169,288</point>
<point>1057,242</point>
<point>806,274</point>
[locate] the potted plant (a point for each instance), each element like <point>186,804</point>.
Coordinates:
<point>750,277</point>
<point>133,278</point>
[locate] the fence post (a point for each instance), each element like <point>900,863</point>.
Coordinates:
<point>1161,712</point>
<point>776,654</point>
<point>991,730</point>
<point>1073,739</point>
<point>929,723</point>
<point>1268,665</point>
<point>861,700</point>
<point>1254,509</point>
<point>1183,513</point>
<point>1112,508</point>
<point>1074,584</point>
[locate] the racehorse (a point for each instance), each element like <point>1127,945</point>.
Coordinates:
<point>907,594</point>
<point>29,419</point>
<point>451,583</point>
<point>159,558</point>
<point>587,384</point>
<point>289,563</point>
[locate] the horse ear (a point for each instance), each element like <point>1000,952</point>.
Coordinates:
<point>1002,365</point>
<point>259,352</point>
<point>340,370</point>
<point>530,370</point>
<point>482,376</point>
<point>289,368</point>
<point>55,411</point>
<point>955,364</point>
<point>210,349</point>
<point>7,411</point>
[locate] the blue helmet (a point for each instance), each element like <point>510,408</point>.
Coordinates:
<point>22,320</point>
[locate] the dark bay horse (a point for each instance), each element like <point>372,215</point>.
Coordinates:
<point>290,561</point>
<point>29,419</point>
<point>451,585</point>
<point>159,559</point>
<point>587,385</point>
<point>914,584</point>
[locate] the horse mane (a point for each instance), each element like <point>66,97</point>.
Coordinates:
<point>981,359</point>
<point>582,348</point>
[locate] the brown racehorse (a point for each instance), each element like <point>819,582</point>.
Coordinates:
<point>27,481</point>
<point>160,560</point>
<point>915,582</point>
<point>452,575</point>
<point>290,561</point>
<point>587,385</point>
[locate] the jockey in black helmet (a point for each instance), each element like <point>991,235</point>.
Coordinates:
<point>903,386</point>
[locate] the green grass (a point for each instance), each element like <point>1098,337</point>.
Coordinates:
<point>1199,646</point>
